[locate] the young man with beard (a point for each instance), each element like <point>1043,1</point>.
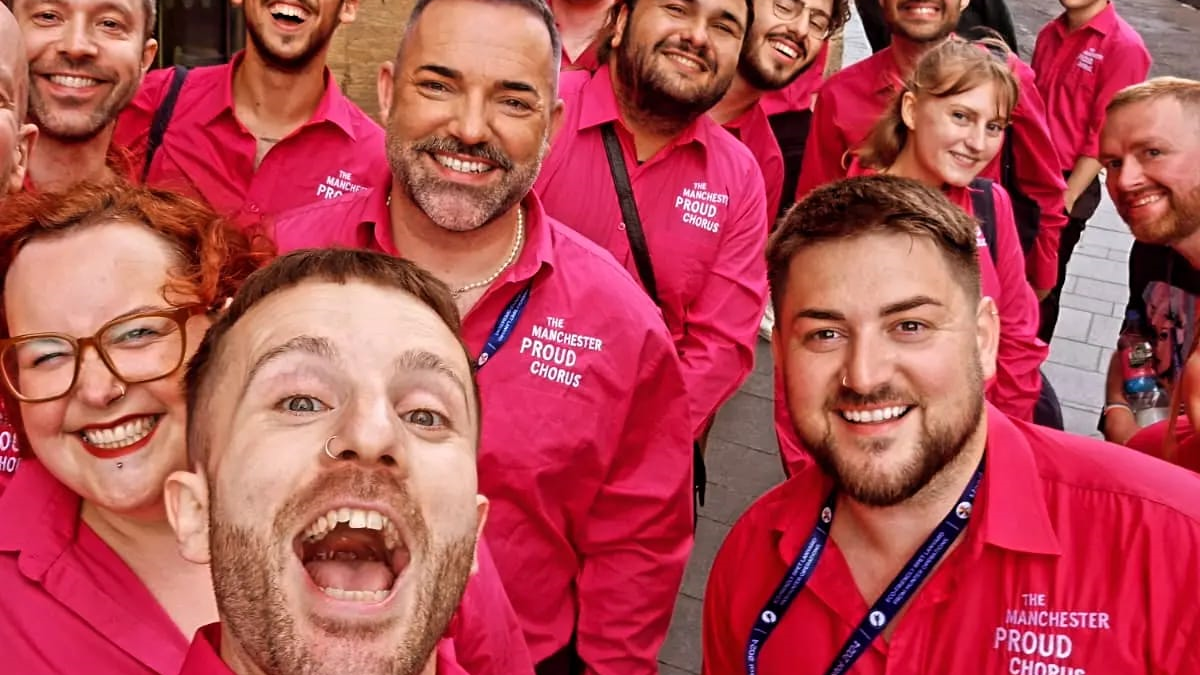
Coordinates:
<point>1082,58</point>
<point>333,424</point>
<point>781,45</point>
<point>86,61</point>
<point>270,130</point>
<point>1150,148</point>
<point>695,192</point>
<point>934,534</point>
<point>855,98</point>
<point>579,23</point>
<point>586,447</point>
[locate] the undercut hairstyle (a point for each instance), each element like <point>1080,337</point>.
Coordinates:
<point>954,67</point>
<point>609,30</point>
<point>335,265</point>
<point>1187,92</point>
<point>538,8</point>
<point>868,205</point>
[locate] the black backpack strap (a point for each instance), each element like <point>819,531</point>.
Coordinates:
<point>629,211</point>
<point>983,202</point>
<point>162,118</point>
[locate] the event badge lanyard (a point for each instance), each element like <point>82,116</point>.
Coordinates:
<point>505,325</point>
<point>915,572</point>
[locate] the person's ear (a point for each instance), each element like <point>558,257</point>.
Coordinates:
<point>385,90</point>
<point>186,497</point>
<point>987,336</point>
<point>481,510</point>
<point>908,110</point>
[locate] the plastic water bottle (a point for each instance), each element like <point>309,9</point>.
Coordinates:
<point>1138,365</point>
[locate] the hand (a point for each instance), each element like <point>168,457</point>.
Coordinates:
<point>1042,294</point>
<point>1069,198</point>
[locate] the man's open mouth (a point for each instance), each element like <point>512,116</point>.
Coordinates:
<point>287,13</point>
<point>351,554</point>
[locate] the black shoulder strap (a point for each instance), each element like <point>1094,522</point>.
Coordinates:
<point>629,211</point>
<point>162,118</point>
<point>983,201</point>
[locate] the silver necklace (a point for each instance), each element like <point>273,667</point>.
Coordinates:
<point>512,256</point>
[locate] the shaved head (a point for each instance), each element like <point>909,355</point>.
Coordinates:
<point>14,70</point>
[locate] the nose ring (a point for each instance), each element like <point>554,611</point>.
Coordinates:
<point>327,451</point>
<point>844,385</point>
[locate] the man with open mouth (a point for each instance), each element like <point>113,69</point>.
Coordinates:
<point>933,533</point>
<point>334,490</point>
<point>267,132</point>
<point>86,61</point>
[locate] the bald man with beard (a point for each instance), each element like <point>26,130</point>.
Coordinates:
<point>16,137</point>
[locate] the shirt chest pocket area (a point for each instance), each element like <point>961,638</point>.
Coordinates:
<point>694,247</point>
<point>543,432</point>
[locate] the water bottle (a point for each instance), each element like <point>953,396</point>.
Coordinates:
<point>1136,351</point>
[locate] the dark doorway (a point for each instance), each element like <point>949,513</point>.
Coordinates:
<point>198,32</point>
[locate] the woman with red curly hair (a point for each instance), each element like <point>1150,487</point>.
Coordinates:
<point>105,294</point>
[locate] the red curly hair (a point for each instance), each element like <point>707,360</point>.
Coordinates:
<point>214,256</point>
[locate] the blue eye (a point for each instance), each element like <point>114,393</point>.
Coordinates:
<point>301,404</point>
<point>423,417</point>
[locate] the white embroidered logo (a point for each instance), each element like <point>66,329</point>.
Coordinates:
<point>554,351</point>
<point>336,186</point>
<point>1087,59</point>
<point>699,206</point>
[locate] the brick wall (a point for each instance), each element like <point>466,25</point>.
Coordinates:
<point>359,48</point>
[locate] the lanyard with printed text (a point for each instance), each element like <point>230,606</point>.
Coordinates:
<point>886,607</point>
<point>504,326</point>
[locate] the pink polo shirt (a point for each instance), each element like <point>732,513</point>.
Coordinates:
<point>1080,557</point>
<point>853,100</point>
<point>586,449</point>
<point>60,584</point>
<point>204,655</point>
<point>799,94</point>
<point>1018,381</point>
<point>1078,73</point>
<point>207,153</point>
<point>702,203</point>
<point>753,129</point>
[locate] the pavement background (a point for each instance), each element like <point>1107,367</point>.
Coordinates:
<point>743,460</point>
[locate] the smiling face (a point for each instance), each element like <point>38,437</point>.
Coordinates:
<point>470,110</point>
<point>1150,150</point>
<point>291,34</point>
<point>86,61</point>
<point>16,137</point>
<point>676,59</point>
<point>777,51</point>
<point>922,21</point>
<point>354,564</point>
<point>914,350</point>
<point>74,284</point>
<point>952,138</point>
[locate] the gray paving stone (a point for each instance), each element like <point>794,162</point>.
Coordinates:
<point>747,471</point>
<point>1095,251</point>
<point>1069,284</point>
<point>682,648</point>
<point>709,536</point>
<point>1102,290</point>
<point>1080,421</point>
<point>1079,387</point>
<point>725,505</point>
<point>1073,324</point>
<point>1116,240</point>
<point>1105,330</point>
<point>668,669</point>
<point>1122,255</point>
<point>1103,269</point>
<point>760,384</point>
<point>1085,304</point>
<point>1074,353</point>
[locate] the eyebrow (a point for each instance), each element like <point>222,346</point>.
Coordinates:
<point>305,344</point>
<point>452,74</point>
<point>905,305</point>
<point>420,360</point>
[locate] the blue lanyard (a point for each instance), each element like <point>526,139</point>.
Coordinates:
<point>504,326</point>
<point>885,609</point>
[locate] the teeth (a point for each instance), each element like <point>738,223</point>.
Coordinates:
<point>876,415</point>
<point>1148,199</point>
<point>287,10</point>
<point>785,49</point>
<point>73,81</point>
<point>357,519</point>
<point>460,166</point>
<point>120,436</point>
<point>357,596</point>
<point>683,60</point>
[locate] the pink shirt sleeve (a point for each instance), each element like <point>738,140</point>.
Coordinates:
<point>1122,69</point>
<point>1038,176</point>
<point>721,325</point>
<point>825,147</point>
<point>1018,381</point>
<point>487,636</point>
<point>635,542</point>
